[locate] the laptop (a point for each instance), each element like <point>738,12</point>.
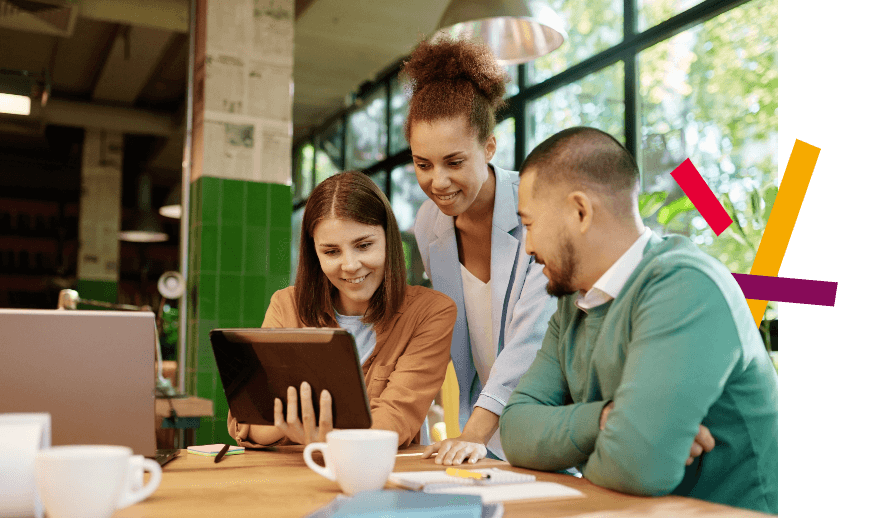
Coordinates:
<point>93,371</point>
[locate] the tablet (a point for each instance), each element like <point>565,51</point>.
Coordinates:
<point>257,365</point>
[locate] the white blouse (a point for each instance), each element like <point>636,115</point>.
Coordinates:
<point>478,309</point>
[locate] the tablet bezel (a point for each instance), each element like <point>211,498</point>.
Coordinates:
<point>326,358</point>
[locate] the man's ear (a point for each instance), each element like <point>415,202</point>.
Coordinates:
<point>490,147</point>
<point>583,204</point>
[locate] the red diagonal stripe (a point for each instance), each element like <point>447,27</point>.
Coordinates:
<point>701,196</point>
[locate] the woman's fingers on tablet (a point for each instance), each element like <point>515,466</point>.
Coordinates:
<point>325,418</point>
<point>279,416</point>
<point>308,413</point>
<point>292,405</point>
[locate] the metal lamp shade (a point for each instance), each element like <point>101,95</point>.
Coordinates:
<point>145,226</point>
<point>517,31</point>
<point>172,208</point>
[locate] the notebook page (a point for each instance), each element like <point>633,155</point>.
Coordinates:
<point>416,479</point>
<point>508,492</point>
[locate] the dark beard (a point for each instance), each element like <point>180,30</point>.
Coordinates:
<point>562,286</point>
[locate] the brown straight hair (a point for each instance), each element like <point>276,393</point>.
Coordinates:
<point>352,196</point>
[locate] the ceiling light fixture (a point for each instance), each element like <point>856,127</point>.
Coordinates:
<point>15,93</point>
<point>517,31</point>
<point>145,226</point>
<point>171,208</point>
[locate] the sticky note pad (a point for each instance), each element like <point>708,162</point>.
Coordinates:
<point>211,450</point>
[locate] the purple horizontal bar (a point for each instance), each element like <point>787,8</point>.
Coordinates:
<point>783,289</point>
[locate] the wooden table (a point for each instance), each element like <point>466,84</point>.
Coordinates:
<point>279,484</point>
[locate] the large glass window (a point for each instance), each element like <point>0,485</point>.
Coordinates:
<point>330,142</point>
<point>596,100</point>
<point>406,198</point>
<point>505,138</point>
<point>406,195</point>
<point>367,132</point>
<point>399,110</point>
<point>303,162</point>
<point>652,12</point>
<point>324,167</point>
<point>709,94</point>
<point>593,26</point>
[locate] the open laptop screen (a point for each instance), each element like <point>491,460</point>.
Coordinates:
<point>93,371</point>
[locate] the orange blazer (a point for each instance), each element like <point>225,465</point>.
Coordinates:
<point>407,367</point>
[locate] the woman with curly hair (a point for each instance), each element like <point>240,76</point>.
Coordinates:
<point>352,275</point>
<point>470,237</point>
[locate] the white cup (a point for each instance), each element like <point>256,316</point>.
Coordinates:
<point>92,481</point>
<point>357,460</point>
<point>21,437</point>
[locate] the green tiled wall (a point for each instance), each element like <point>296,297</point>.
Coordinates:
<point>239,255</point>
<point>105,291</point>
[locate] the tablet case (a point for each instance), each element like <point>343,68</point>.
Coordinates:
<point>257,365</point>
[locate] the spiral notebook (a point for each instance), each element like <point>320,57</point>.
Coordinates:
<point>502,486</point>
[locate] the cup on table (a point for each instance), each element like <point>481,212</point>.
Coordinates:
<point>21,437</point>
<point>92,481</point>
<point>357,460</point>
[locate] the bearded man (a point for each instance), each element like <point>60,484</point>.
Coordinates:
<point>652,343</point>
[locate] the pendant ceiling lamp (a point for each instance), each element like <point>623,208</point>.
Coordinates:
<point>172,208</point>
<point>517,31</point>
<point>145,226</point>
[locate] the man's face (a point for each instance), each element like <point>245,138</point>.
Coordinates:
<point>547,238</point>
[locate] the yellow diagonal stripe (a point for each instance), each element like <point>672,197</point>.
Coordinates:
<point>783,216</point>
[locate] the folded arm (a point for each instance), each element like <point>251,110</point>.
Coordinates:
<point>684,346</point>
<point>541,428</point>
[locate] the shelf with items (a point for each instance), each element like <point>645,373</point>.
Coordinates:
<point>38,251</point>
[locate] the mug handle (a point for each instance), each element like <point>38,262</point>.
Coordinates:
<point>130,497</point>
<point>325,472</point>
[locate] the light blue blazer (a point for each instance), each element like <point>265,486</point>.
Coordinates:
<point>521,307</point>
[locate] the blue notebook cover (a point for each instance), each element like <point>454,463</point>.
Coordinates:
<point>394,504</point>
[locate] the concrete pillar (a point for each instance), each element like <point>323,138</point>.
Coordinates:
<point>100,216</point>
<point>240,197</point>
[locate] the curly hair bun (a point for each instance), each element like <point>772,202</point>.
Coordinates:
<point>452,61</point>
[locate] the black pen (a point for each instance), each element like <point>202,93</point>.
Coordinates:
<point>221,454</point>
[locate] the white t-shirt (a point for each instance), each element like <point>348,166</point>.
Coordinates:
<point>364,334</point>
<point>478,308</point>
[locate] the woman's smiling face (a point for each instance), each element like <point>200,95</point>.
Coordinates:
<point>451,163</point>
<point>352,256</point>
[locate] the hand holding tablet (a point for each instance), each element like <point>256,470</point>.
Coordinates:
<point>304,431</point>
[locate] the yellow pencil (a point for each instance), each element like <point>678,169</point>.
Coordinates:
<point>456,472</point>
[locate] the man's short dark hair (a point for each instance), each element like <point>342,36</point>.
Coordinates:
<point>583,157</point>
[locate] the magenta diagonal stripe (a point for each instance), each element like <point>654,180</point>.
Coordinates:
<point>784,289</point>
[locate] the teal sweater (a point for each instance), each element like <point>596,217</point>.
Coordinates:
<point>676,348</point>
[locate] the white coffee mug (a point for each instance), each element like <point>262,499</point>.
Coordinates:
<point>92,481</point>
<point>357,460</point>
<point>21,437</point>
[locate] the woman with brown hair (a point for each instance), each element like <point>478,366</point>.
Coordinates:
<point>351,274</point>
<point>470,237</point>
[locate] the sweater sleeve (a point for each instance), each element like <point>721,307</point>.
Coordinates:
<point>683,347</point>
<point>418,373</point>
<point>541,428</point>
